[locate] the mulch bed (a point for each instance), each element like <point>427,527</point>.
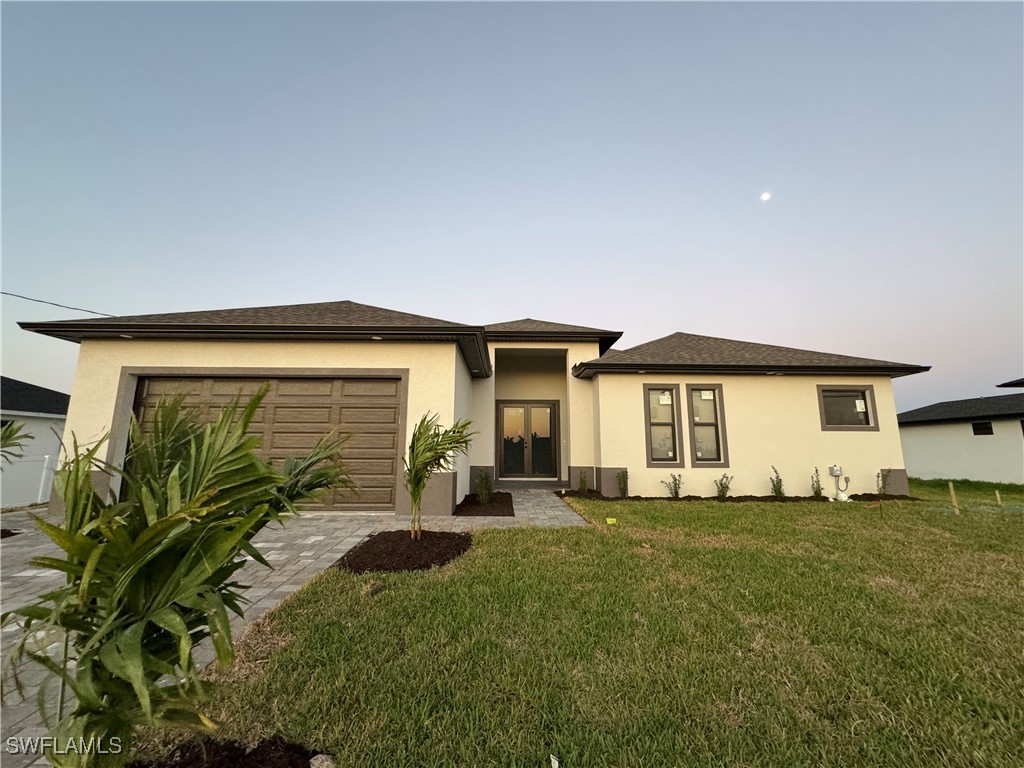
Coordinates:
<point>739,499</point>
<point>6,533</point>
<point>500,505</point>
<point>394,551</point>
<point>273,753</point>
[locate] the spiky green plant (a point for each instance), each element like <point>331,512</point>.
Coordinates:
<point>12,439</point>
<point>432,448</point>
<point>151,571</point>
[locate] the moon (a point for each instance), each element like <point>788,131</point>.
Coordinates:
<point>766,196</point>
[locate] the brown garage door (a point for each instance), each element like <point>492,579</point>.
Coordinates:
<point>296,412</point>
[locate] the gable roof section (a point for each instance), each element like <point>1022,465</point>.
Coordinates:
<point>998,407</point>
<point>529,329</point>
<point>688,352</point>
<point>1014,383</point>
<point>22,397</point>
<point>326,321</point>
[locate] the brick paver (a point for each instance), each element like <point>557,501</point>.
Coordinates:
<point>298,550</point>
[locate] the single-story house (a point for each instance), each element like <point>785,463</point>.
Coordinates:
<point>42,412</point>
<point>548,401</point>
<point>977,439</point>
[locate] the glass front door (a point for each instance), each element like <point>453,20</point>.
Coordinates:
<point>528,446</point>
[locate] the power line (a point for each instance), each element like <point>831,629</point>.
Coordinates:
<point>55,304</point>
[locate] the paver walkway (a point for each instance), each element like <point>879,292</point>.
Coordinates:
<point>298,550</point>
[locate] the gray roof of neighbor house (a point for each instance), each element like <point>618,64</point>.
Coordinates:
<point>692,353</point>
<point>529,329</point>
<point>29,398</point>
<point>998,407</point>
<point>1014,383</point>
<point>332,320</point>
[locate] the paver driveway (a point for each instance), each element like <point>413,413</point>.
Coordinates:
<point>298,550</point>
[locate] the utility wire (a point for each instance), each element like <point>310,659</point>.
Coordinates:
<point>55,304</point>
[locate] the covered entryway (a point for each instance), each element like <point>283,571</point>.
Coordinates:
<point>296,412</point>
<point>528,439</point>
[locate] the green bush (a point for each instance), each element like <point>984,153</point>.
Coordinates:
<point>722,487</point>
<point>674,485</point>
<point>816,490</point>
<point>432,448</point>
<point>484,485</point>
<point>622,477</point>
<point>152,571</point>
<point>776,481</point>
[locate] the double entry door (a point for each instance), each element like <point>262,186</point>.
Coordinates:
<point>527,439</point>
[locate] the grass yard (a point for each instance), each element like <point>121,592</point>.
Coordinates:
<point>687,634</point>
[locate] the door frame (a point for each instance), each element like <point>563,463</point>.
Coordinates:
<point>499,442</point>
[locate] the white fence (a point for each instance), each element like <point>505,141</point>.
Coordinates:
<point>26,481</point>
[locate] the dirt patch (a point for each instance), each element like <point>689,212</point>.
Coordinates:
<point>500,505</point>
<point>395,551</point>
<point>734,499</point>
<point>6,533</point>
<point>272,753</point>
<point>261,640</point>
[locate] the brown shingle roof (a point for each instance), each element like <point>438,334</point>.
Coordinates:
<point>529,329</point>
<point>347,314</point>
<point>1000,406</point>
<point>690,352</point>
<point>1014,383</point>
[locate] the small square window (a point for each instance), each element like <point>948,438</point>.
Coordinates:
<point>847,408</point>
<point>982,427</point>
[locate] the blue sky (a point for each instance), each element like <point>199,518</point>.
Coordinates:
<point>598,164</point>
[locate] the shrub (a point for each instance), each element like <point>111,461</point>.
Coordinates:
<point>582,488</point>
<point>722,487</point>
<point>484,485</point>
<point>12,439</point>
<point>623,479</point>
<point>674,485</point>
<point>150,572</point>
<point>816,490</point>
<point>776,482</point>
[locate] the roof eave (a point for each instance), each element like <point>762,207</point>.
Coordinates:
<point>604,340</point>
<point>589,370</point>
<point>960,419</point>
<point>470,339</point>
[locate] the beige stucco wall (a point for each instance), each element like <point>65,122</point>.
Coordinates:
<point>952,451</point>
<point>463,409</point>
<point>432,371</point>
<point>769,420</point>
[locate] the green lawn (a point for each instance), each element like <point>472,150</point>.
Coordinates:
<point>687,634</point>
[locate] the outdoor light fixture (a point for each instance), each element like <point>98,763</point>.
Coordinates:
<point>376,338</point>
<point>126,336</point>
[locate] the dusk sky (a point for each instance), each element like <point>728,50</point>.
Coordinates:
<point>594,164</point>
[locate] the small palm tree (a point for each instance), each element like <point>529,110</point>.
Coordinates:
<point>432,448</point>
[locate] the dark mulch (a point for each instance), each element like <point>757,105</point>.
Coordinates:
<point>741,499</point>
<point>395,551</point>
<point>273,753</point>
<point>500,505</point>
<point>6,533</point>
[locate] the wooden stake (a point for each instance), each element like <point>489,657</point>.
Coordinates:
<point>999,500</point>
<point>952,496</point>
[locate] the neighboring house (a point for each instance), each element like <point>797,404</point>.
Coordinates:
<point>977,439</point>
<point>42,411</point>
<point>548,401</point>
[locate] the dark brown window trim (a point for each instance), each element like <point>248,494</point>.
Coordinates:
<point>869,396</point>
<point>677,414</point>
<point>723,442</point>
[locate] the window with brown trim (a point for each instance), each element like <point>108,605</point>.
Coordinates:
<point>847,408</point>
<point>662,416</point>
<point>708,446</point>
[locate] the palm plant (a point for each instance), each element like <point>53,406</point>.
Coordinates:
<point>12,440</point>
<point>151,571</point>
<point>432,448</point>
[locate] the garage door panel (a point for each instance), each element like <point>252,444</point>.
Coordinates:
<point>296,413</point>
<point>370,388</point>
